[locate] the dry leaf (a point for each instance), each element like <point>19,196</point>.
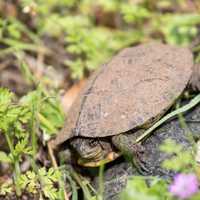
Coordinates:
<point>71,95</point>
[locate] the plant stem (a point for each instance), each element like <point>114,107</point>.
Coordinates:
<point>101,184</point>
<point>77,178</point>
<point>51,154</point>
<point>55,165</point>
<point>10,145</point>
<point>15,163</point>
<point>17,175</point>
<point>33,133</point>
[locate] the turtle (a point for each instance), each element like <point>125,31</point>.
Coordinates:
<point>130,92</point>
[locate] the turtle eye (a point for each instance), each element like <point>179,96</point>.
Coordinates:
<point>93,143</point>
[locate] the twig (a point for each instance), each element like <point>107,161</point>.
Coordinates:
<point>55,165</point>
<point>51,154</point>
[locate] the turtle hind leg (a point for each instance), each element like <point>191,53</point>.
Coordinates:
<point>134,152</point>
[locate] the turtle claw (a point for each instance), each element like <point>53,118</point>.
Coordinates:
<point>138,159</point>
<point>134,152</point>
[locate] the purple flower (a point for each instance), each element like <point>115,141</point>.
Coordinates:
<point>184,185</point>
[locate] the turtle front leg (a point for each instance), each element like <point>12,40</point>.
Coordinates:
<point>126,144</point>
<point>194,82</point>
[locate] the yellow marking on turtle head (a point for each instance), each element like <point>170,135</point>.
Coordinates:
<point>109,157</point>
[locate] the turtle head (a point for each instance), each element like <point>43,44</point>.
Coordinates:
<point>88,149</point>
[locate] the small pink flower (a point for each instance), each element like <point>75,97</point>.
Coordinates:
<point>184,185</point>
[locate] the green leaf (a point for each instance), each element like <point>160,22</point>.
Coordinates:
<point>4,157</point>
<point>5,96</point>
<point>180,159</point>
<point>6,188</point>
<point>134,13</point>
<point>137,189</point>
<point>46,109</point>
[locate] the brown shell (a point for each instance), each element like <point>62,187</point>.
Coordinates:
<point>194,83</point>
<point>137,85</point>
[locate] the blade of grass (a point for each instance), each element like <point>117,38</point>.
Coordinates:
<point>182,109</point>
<point>19,45</point>
<point>73,186</point>
<point>77,178</point>
<point>101,184</point>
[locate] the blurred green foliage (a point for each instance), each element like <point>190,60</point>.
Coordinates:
<point>138,189</point>
<point>92,31</point>
<point>181,160</point>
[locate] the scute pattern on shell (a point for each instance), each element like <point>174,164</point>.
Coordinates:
<point>137,85</point>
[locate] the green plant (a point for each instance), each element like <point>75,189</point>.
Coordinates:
<point>6,188</point>
<point>91,43</point>
<point>179,28</point>
<point>43,182</point>
<point>87,48</point>
<point>138,189</point>
<point>181,160</point>
<point>13,118</point>
<point>46,110</point>
<point>20,123</point>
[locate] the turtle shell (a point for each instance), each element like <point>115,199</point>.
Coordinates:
<point>137,85</point>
